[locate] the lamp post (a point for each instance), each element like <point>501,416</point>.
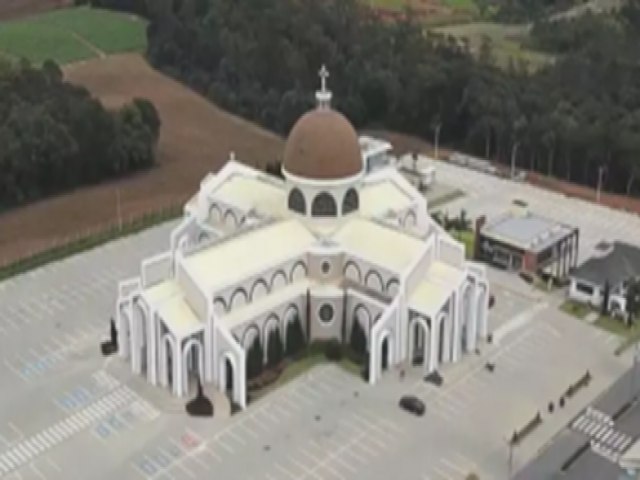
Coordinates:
<point>632,393</point>
<point>437,139</point>
<point>601,170</point>
<point>514,152</point>
<point>119,209</point>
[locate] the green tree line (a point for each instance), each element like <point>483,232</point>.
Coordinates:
<point>54,136</point>
<point>260,59</point>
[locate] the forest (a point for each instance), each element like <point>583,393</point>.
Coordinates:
<point>55,136</point>
<point>260,59</point>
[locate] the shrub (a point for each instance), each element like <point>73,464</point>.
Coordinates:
<point>333,350</point>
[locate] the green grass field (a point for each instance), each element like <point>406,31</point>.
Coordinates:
<point>72,34</point>
<point>506,42</point>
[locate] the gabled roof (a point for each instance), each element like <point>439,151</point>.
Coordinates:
<point>620,264</point>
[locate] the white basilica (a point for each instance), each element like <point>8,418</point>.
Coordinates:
<point>335,242</point>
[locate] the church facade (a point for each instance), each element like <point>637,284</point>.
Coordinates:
<point>329,245</point>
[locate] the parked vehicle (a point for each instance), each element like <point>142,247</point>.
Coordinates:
<point>413,405</point>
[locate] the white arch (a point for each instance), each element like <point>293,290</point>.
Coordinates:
<point>259,289</point>
<point>298,272</point>
<point>219,307</point>
<point>239,298</point>
<point>364,318</point>
<point>352,272</point>
<point>426,342</point>
<point>167,339</point>
<point>436,329</point>
<point>272,322</point>
<point>289,314</point>
<point>222,374</point>
<point>215,213</point>
<point>190,344</point>
<point>374,280</point>
<point>386,335</point>
<point>466,318</point>
<point>278,280</point>
<point>138,329</point>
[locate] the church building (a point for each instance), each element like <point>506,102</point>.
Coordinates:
<point>331,244</point>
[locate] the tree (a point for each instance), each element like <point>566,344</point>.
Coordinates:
<point>274,348</point>
<point>358,339</point>
<point>633,299</point>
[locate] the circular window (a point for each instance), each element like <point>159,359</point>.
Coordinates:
<point>326,267</point>
<point>326,313</point>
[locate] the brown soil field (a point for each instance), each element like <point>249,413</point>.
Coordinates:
<point>10,9</point>
<point>196,137</point>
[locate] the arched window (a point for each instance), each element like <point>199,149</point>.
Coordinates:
<point>324,206</point>
<point>297,202</point>
<point>350,201</point>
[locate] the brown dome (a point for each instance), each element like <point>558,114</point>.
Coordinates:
<point>323,145</point>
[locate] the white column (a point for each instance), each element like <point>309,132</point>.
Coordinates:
<point>177,368</point>
<point>208,349</point>
<point>455,340</point>
<point>373,358</point>
<point>123,328</point>
<point>447,325</point>
<point>240,381</point>
<point>472,322</point>
<point>164,377</point>
<point>435,337</point>
<point>484,312</point>
<point>152,348</point>
<point>136,363</point>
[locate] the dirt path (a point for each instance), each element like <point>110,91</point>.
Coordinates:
<point>89,45</point>
<point>196,137</point>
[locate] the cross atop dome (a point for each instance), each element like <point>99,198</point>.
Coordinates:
<point>323,96</point>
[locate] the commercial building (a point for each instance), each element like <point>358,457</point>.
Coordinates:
<point>522,241</point>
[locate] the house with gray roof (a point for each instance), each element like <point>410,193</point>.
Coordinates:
<point>603,278</point>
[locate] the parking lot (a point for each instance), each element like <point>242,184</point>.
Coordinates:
<point>492,196</point>
<point>66,412</point>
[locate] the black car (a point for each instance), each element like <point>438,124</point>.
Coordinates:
<point>412,404</point>
<point>492,301</point>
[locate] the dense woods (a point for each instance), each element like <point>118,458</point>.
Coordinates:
<point>260,59</point>
<point>54,136</point>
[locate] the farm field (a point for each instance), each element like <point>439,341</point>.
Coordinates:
<point>72,34</point>
<point>431,12</point>
<point>19,8</point>
<point>196,137</point>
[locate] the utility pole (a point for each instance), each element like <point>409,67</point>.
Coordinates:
<point>510,461</point>
<point>119,209</point>
<point>633,372</point>
<point>514,152</point>
<point>437,139</point>
<point>601,170</point>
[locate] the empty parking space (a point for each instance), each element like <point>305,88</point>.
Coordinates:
<point>491,196</point>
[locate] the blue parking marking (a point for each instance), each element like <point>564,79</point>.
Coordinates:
<point>81,395</point>
<point>69,403</point>
<point>102,430</point>
<point>147,467</point>
<point>39,366</point>
<point>114,423</point>
<point>161,459</point>
<point>174,451</point>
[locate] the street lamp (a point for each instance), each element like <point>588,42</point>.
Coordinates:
<point>632,393</point>
<point>437,139</point>
<point>514,152</point>
<point>601,171</point>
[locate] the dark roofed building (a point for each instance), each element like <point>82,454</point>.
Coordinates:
<point>613,265</point>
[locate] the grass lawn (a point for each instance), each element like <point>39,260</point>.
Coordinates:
<point>578,310</point>
<point>506,42</point>
<point>72,34</point>
<point>312,357</point>
<point>468,238</point>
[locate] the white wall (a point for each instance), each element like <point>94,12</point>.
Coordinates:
<point>594,299</point>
